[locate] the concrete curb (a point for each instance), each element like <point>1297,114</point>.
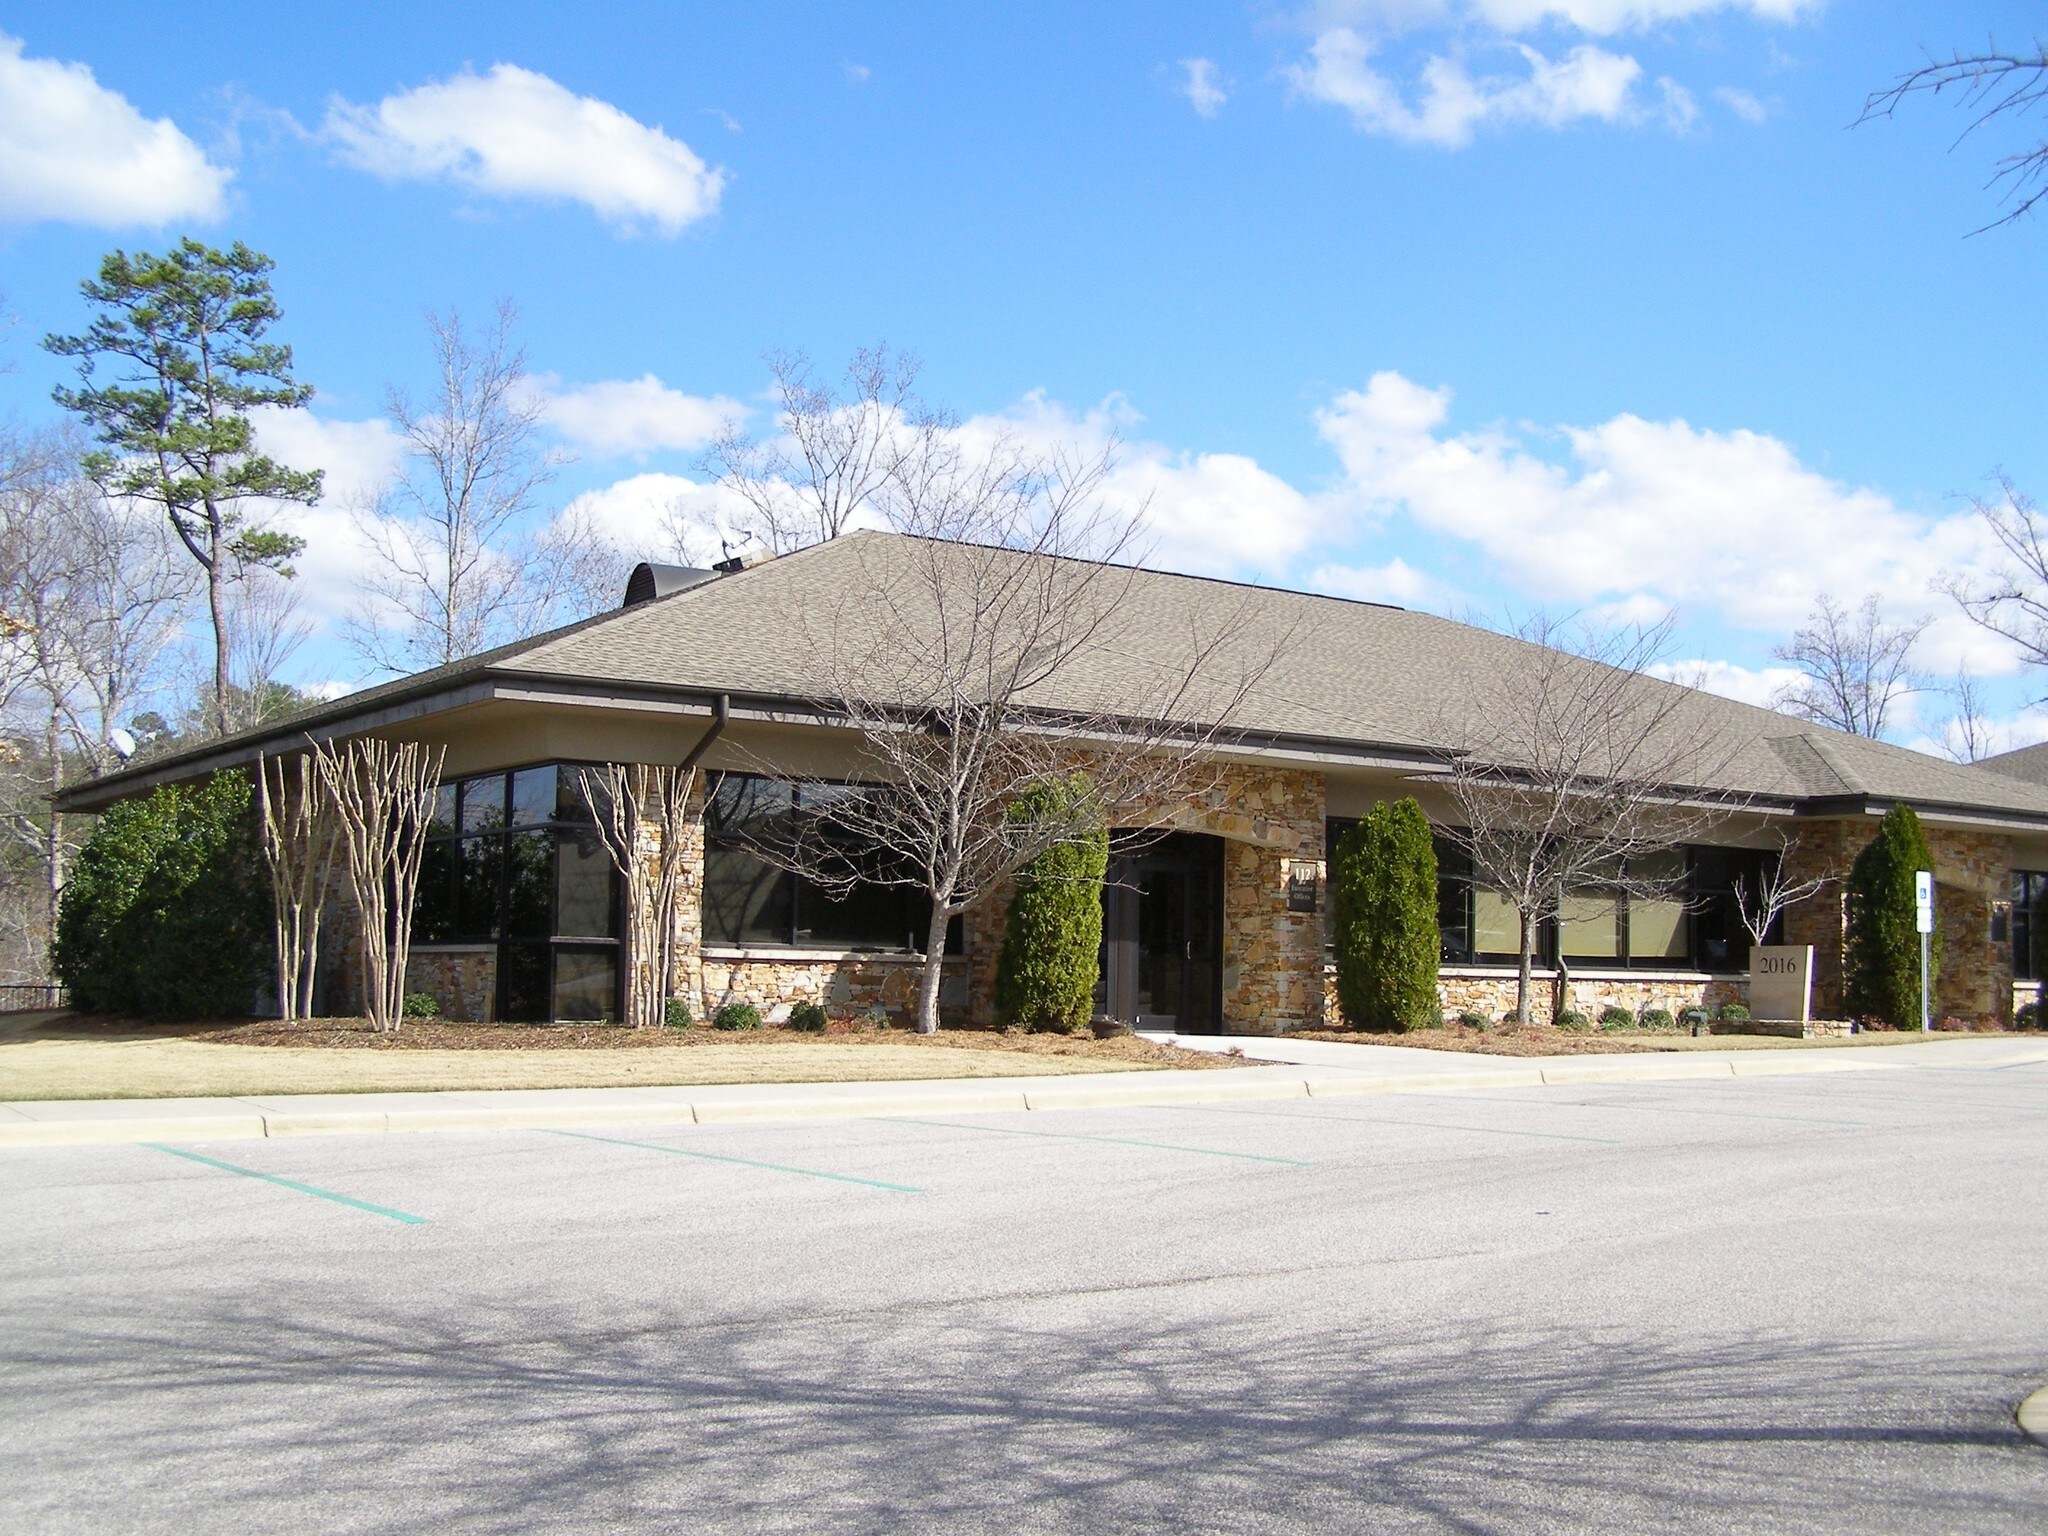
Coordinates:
<point>56,1122</point>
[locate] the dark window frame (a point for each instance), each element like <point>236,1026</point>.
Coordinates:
<point>1456,916</point>
<point>495,828</point>
<point>2029,924</point>
<point>799,898</point>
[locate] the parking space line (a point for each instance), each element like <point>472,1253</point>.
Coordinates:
<point>1676,1109</point>
<point>1431,1125</point>
<point>743,1162</point>
<point>1114,1141</point>
<point>304,1189</point>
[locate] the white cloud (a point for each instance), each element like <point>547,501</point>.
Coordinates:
<point>514,133</point>
<point>1587,82</point>
<point>1680,109</point>
<point>1603,18</point>
<point>1752,685</point>
<point>857,74</point>
<point>661,517</point>
<point>1199,84</point>
<point>1744,105</point>
<point>1395,582</point>
<point>360,459</point>
<point>643,415</point>
<point>71,150</point>
<point>1728,522</point>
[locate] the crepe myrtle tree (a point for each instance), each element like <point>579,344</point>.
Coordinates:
<point>1573,776</point>
<point>989,654</point>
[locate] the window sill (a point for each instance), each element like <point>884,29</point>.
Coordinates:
<point>791,954</point>
<point>477,947</point>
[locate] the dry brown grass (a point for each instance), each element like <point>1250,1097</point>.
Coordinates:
<point>57,1056</point>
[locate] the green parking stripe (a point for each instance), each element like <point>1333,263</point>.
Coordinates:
<point>1114,1141</point>
<point>744,1162</point>
<point>304,1189</point>
<point>1432,1125</point>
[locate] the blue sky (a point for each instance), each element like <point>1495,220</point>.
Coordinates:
<point>1465,304</point>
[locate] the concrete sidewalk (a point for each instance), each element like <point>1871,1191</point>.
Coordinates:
<point>1303,1069</point>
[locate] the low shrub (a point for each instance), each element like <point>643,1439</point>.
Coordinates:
<point>1571,1018</point>
<point>807,1017</point>
<point>737,1016</point>
<point>1734,1013</point>
<point>1613,1016</point>
<point>1657,1018</point>
<point>877,1017</point>
<point>2028,1016</point>
<point>421,1005</point>
<point>676,1015</point>
<point>1472,1019</point>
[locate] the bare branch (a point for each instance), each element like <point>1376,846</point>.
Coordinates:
<point>1857,666</point>
<point>1990,85</point>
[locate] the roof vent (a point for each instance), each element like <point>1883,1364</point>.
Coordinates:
<point>651,581</point>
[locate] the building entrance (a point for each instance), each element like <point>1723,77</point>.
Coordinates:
<point>1162,933</point>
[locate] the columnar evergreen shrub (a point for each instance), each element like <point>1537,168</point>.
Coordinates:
<point>1045,975</point>
<point>167,913</point>
<point>1384,919</point>
<point>1882,967</point>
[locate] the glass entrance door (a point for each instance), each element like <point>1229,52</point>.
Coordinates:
<point>1162,934</point>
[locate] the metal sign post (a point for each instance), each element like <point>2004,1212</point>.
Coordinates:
<point>1923,919</point>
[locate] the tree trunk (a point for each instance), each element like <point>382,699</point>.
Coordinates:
<point>934,971</point>
<point>216,612</point>
<point>53,846</point>
<point>1522,976</point>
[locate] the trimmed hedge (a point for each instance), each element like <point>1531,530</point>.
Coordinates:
<point>1384,919</point>
<point>1052,936</point>
<point>1882,966</point>
<point>168,911</point>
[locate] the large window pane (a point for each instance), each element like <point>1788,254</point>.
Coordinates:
<point>742,805</point>
<point>1589,926</point>
<point>586,983</point>
<point>1453,901</point>
<point>483,803</point>
<point>583,887</point>
<point>569,802</point>
<point>433,907</point>
<point>523,983</point>
<point>529,885</point>
<point>482,861</point>
<point>1496,927</point>
<point>745,900</point>
<point>443,822</point>
<point>1657,920</point>
<point>533,796</point>
<point>867,917</point>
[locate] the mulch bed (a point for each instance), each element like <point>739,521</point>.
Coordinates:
<point>439,1035</point>
<point>1542,1040</point>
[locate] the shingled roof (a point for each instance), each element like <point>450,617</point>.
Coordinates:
<point>1360,676</point>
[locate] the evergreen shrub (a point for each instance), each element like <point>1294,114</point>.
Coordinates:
<point>1613,1016</point>
<point>1045,975</point>
<point>808,1018</point>
<point>420,1005</point>
<point>1384,919</point>
<point>1472,1018</point>
<point>1657,1018</point>
<point>737,1016</point>
<point>1571,1018</point>
<point>1882,966</point>
<point>168,913</point>
<point>676,1015</point>
<point>2028,1016</point>
<point>1734,1013</point>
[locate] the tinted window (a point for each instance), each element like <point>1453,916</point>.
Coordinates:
<point>586,983</point>
<point>533,796</point>
<point>529,885</point>
<point>584,881</point>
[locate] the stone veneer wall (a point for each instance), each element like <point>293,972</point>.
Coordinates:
<point>462,978</point>
<point>1972,874</point>
<point>843,984</point>
<point>1491,991</point>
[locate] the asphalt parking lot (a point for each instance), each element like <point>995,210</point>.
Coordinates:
<point>1776,1304</point>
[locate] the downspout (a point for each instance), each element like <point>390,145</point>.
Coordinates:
<point>721,717</point>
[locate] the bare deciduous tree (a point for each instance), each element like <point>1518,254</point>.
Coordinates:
<point>984,654</point>
<point>834,453</point>
<point>2011,599</point>
<point>301,835</point>
<point>1857,667</point>
<point>1990,85</point>
<point>1774,893</point>
<point>1574,777</point>
<point>642,819</point>
<point>1968,734</point>
<point>450,574</point>
<point>382,794</point>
